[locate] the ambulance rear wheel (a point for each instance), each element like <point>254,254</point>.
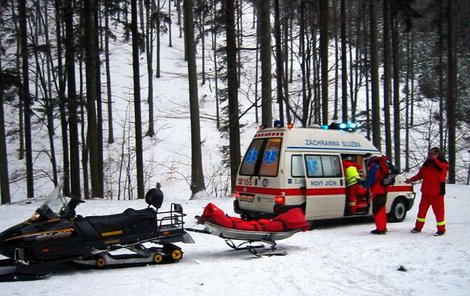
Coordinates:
<point>398,210</point>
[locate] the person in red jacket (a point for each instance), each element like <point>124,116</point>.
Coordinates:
<point>374,183</point>
<point>353,188</point>
<point>434,174</point>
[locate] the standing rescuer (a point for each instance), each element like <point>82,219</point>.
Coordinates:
<point>374,183</point>
<point>434,174</point>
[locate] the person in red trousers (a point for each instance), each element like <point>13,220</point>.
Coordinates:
<point>433,173</point>
<point>374,183</point>
<point>353,189</point>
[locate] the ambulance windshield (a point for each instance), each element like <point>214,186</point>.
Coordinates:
<point>262,158</point>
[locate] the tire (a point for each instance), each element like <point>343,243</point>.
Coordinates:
<point>100,262</point>
<point>157,258</point>
<point>398,210</point>
<point>176,255</point>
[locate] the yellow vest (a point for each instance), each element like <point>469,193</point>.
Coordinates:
<point>352,175</point>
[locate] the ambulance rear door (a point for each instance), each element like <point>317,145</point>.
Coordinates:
<point>324,186</point>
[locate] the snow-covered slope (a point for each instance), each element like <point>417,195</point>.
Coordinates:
<point>339,258</point>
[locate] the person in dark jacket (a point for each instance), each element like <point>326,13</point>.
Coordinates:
<point>434,174</point>
<point>374,183</point>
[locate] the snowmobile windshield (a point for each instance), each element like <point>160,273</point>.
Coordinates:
<point>53,207</point>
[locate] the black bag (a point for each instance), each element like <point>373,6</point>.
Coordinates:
<point>443,188</point>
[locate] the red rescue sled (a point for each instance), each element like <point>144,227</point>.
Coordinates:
<point>254,234</point>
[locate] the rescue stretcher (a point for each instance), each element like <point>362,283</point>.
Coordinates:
<point>259,243</point>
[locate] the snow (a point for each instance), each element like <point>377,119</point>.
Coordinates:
<point>335,258</point>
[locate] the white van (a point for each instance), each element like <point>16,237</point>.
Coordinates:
<point>290,167</point>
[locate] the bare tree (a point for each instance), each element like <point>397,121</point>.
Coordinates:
<point>72,100</point>
<point>234,125</point>
<point>387,69</point>
<point>26,98</point>
<point>374,65</point>
<point>197,176</point>
<point>396,90</point>
<point>108,74</point>
<point>324,38</point>
<point>137,107</point>
<point>4,178</point>
<point>264,35</point>
<point>59,18</point>
<point>149,11</point>
<point>344,65</point>
<point>451,98</point>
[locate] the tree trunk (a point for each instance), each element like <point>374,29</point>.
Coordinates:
<point>279,63</point>
<point>170,43</point>
<point>344,64</point>
<point>232,83</point>
<point>324,37</point>
<point>49,102</point>
<point>441,74</point>
<point>108,76</point>
<point>396,92</point>
<point>72,99</point>
<point>216,72</point>
<point>264,35</point>
<point>96,170</point>
<point>137,107</point>
<point>149,8</point>
<point>158,43</point>
<point>374,65</point>
<point>62,102</point>
<point>286,65</point>
<point>4,178</point>
<point>302,57</point>
<point>26,99</point>
<point>387,68</point>
<point>197,176</point>
<point>451,98</point>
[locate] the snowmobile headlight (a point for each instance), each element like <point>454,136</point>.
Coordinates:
<point>34,216</point>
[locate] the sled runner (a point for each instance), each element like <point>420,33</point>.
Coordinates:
<point>257,236</point>
<point>259,243</point>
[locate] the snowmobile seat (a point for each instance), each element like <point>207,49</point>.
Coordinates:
<point>129,222</point>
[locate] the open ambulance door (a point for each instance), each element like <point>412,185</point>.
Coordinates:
<point>324,186</point>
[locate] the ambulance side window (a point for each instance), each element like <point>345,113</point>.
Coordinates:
<point>319,166</point>
<point>297,166</point>
<point>332,166</point>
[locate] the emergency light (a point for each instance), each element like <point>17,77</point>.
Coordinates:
<point>351,127</point>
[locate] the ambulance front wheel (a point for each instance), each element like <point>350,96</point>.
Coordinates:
<point>398,210</point>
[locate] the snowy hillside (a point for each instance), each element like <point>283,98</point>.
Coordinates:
<point>339,258</point>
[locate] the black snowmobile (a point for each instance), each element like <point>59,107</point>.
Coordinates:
<point>55,236</point>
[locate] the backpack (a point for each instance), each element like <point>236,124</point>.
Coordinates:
<point>388,169</point>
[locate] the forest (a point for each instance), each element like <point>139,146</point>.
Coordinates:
<point>399,68</point>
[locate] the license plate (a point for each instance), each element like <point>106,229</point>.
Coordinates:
<point>248,198</point>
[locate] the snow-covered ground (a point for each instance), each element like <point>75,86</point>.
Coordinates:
<point>333,259</point>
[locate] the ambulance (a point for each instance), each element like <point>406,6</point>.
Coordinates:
<point>288,167</point>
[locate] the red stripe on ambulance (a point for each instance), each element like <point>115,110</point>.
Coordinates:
<point>291,191</point>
